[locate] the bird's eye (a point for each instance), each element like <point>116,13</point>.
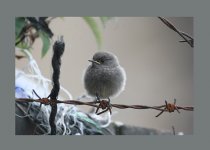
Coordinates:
<point>102,61</point>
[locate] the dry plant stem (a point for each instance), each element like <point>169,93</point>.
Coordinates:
<point>182,34</point>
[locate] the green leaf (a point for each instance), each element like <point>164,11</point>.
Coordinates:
<point>105,19</point>
<point>46,43</point>
<point>20,22</point>
<point>23,45</point>
<point>95,29</point>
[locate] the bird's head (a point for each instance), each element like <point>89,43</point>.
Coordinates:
<point>104,59</point>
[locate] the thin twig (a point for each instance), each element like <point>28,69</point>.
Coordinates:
<point>190,41</point>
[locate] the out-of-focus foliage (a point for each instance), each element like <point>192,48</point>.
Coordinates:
<point>46,43</point>
<point>26,34</point>
<point>95,28</point>
<point>19,24</point>
<point>104,20</point>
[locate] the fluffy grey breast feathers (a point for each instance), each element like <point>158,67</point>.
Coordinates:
<point>104,76</point>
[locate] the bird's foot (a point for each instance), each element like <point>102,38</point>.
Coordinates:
<point>105,106</point>
<point>97,98</point>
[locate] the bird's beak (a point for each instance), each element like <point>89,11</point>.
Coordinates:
<point>93,61</point>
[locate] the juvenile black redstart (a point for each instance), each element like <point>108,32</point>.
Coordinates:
<point>104,78</point>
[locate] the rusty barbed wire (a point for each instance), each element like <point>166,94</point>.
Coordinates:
<point>169,107</point>
<point>107,106</point>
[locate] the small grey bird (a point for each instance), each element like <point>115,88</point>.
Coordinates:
<point>104,78</point>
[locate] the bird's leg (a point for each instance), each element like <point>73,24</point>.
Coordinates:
<point>108,100</point>
<point>109,103</point>
<point>96,101</point>
<point>110,106</point>
<point>97,97</point>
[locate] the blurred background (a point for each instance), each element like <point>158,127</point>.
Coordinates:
<point>157,65</point>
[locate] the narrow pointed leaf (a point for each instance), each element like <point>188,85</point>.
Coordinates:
<point>46,43</point>
<point>104,20</point>
<point>19,24</point>
<point>95,29</point>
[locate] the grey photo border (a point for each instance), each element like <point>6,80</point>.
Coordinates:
<point>179,8</point>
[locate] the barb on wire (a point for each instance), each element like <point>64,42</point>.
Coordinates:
<point>106,105</point>
<point>185,36</point>
<point>169,107</point>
